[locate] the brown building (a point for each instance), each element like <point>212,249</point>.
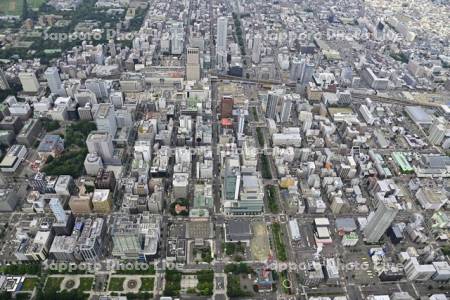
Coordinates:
<point>226,107</point>
<point>82,203</point>
<point>105,180</point>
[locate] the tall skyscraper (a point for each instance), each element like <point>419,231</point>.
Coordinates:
<point>58,210</point>
<point>193,64</point>
<point>301,71</point>
<point>438,130</point>
<point>29,82</point>
<point>101,143</point>
<point>222,27</point>
<point>232,179</point>
<point>54,81</point>
<point>256,50</point>
<point>4,85</point>
<point>380,220</point>
<point>272,103</point>
<point>84,97</point>
<point>100,87</point>
<point>177,38</point>
<point>286,108</point>
<point>105,118</point>
<point>241,121</point>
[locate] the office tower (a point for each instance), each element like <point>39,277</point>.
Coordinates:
<point>256,50</point>
<point>438,131</point>
<point>301,71</point>
<point>232,179</point>
<point>105,118</point>
<point>116,99</point>
<point>29,82</point>
<point>222,27</point>
<point>294,73</point>
<point>221,57</point>
<point>286,108</point>
<point>54,81</point>
<point>101,143</point>
<point>226,107</point>
<point>85,112</point>
<point>144,148</point>
<point>58,210</point>
<point>4,85</point>
<point>90,243</point>
<point>93,163</point>
<point>84,97</point>
<point>307,73</point>
<point>272,103</point>
<point>177,38</point>
<point>99,87</point>
<point>241,121</point>
<point>124,118</point>
<point>380,220</point>
<point>193,64</point>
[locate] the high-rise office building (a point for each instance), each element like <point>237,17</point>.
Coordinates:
<point>100,87</point>
<point>177,38</point>
<point>193,64</point>
<point>272,103</point>
<point>105,118</point>
<point>232,179</point>
<point>301,71</point>
<point>222,32</point>
<point>438,131</point>
<point>101,143</point>
<point>91,241</point>
<point>58,210</point>
<point>54,81</point>
<point>29,82</point>
<point>116,98</point>
<point>85,96</point>
<point>286,108</point>
<point>241,121</point>
<point>256,50</point>
<point>295,69</point>
<point>380,220</point>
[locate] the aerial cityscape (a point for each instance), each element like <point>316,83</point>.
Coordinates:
<point>242,149</point>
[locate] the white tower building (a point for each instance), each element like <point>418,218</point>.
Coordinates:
<point>380,220</point>
<point>54,81</point>
<point>222,27</point>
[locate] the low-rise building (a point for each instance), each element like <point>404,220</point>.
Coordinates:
<point>51,145</point>
<point>13,158</point>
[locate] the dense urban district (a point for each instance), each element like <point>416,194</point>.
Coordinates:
<point>242,149</point>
